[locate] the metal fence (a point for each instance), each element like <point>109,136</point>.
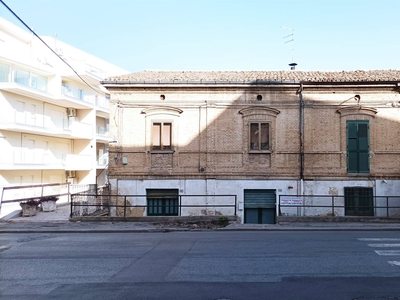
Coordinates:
<point>323,205</point>
<point>97,204</point>
<point>14,194</point>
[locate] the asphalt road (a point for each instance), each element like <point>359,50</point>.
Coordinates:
<point>201,265</point>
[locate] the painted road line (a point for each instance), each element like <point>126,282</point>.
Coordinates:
<point>394,263</point>
<point>383,245</point>
<point>387,252</point>
<point>379,239</point>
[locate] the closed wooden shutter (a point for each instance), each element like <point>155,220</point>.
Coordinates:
<point>357,146</point>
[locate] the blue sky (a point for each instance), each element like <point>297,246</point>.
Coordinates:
<point>222,34</point>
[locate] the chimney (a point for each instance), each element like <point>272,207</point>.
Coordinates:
<point>292,66</point>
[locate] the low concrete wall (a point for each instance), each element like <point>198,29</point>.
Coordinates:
<point>282,219</point>
<point>156,220</point>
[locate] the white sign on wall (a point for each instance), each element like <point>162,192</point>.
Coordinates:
<point>291,201</point>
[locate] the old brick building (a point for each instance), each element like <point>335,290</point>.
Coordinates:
<point>255,135</point>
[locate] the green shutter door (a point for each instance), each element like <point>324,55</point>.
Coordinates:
<point>363,148</point>
<point>259,206</point>
<point>162,202</point>
<point>357,147</point>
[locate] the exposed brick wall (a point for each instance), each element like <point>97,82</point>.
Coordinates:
<point>210,135</point>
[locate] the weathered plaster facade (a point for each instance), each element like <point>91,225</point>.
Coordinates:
<point>210,113</point>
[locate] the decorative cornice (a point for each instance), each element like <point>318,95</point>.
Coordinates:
<point>259,110</point>
<point>357,110</point>
<point>162,110</point>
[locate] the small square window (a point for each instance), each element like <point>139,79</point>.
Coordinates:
<point>161,134</point>
<point>259,136</point>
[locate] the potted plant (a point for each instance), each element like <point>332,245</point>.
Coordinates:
<point>29,207</point>
<point>48,203</point>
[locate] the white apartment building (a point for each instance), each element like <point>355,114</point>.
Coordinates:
<point>54,128</point>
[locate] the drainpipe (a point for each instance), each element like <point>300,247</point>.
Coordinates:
<point>301,136</point>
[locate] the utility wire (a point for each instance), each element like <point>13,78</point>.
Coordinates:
<point>49,47</point>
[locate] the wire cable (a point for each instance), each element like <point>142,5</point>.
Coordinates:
<point>80,77</point>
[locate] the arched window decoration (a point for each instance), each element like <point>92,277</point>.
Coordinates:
<point>162,127</point>
<point>357,110</point>
<point>166,110</point>
<point>259,133</point>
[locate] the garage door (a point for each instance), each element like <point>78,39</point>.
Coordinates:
<point>259,206</point>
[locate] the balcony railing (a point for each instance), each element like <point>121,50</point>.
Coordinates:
<point>78,162</point>
<point>102,102</point>
<point>102,160</point>
<point>340,206</point>
<point>77,94</point>
<point>40,123</point>
<point>123,206</point>
<point>21,157</point>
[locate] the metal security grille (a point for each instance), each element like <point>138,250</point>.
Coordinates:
<point>259,206</point>
<point>162,202</point>
<point>358,201</point>
<point>259,198</point>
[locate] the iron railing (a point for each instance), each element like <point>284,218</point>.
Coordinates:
<point>91,204</point>
<point>330,205</point>
<point>20,193</point>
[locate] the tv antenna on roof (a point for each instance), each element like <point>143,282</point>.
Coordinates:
<point>290,39</point>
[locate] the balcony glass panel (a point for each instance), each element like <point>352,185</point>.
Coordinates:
<point>39,82</point>
<point>72,92</point>
<point>21,77</point>
<point>4,73</point>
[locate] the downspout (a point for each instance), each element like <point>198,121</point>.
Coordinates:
<point>301,138</point>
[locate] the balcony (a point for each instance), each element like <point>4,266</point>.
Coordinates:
<point>102,161</point>
<point>78,162</point>
<point>33,159</point>
<point>24,121</point>
<point>77,94</point>
<point>102,134</point>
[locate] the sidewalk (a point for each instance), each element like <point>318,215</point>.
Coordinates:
<point>58,222</point>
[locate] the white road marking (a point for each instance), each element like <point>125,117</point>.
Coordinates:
<point>379,239</point>
<point>394,263</point>
<point>384,245</point>
<point>387,252</point>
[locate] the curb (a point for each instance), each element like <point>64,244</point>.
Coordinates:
<point>166,230</point>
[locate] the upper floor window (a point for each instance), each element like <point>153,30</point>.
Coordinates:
<point>21,77</point>
<point>30,79</point>
<point>38,82</point>
<point>259,136</point>
<point>161,136</point>
<point>357,135</point>
<point>4,71</point>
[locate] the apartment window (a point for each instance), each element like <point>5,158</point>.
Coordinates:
<point>358,201</point>
<point>80,94</point>
<point>30,79</point>
<point>4,71</point>
<point>357,146</point>
<point>38,82</point>
<point>21,77</point>
<point>161,134</point>
<point>259,136</point>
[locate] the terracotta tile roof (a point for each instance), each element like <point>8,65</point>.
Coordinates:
<point>260,76</point>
